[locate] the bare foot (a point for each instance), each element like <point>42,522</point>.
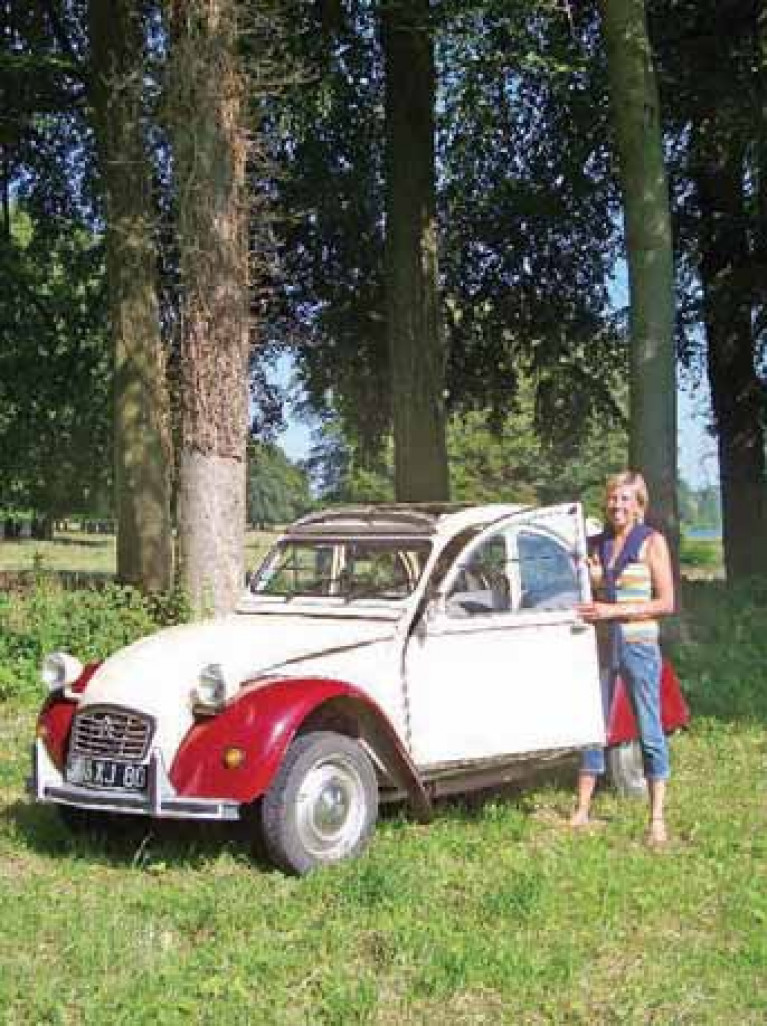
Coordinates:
<point>657,835</point>
<point>579,819</point>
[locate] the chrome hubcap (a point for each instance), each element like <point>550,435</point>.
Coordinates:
<point>330,808</point>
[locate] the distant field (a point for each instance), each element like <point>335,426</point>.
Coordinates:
<point>78,552</point>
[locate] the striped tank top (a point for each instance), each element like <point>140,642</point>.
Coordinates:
<point>634,584</point>
<point>627,580</point>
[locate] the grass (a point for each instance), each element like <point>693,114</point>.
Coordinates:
<point>493,914</point>
<point>78,552</point>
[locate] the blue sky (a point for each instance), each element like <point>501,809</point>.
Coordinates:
<point>698,461</point>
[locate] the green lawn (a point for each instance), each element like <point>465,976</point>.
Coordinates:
<point>77,552</point>
<point>496,913</point>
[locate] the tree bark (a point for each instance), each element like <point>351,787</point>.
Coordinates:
<point>636,117</point>
<point>737,393</point>
<point>416,340</point>
<point>205,112</point>
<point>142,461</point>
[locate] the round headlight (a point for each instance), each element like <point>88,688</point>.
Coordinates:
<point>60,669</point>
<point>211,690</point>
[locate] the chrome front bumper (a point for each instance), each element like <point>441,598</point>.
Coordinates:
<point>159,800</point>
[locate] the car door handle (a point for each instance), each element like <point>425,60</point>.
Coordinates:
<point>580,627</point>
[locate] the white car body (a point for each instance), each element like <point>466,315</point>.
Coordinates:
<point>474,659</point>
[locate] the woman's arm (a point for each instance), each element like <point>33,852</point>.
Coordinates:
<point>662,602</point>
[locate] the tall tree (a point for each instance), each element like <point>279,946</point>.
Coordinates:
<point>737,392</point>
<point>636,116</point>
<point>416,339</point>
<point>526,200</point>
<point>205,104</point>
<point>711,56</point>
<point>141,428</point>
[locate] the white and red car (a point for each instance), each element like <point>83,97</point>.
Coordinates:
<point>381,652</point>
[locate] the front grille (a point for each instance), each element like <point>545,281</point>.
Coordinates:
<point>110,733</point>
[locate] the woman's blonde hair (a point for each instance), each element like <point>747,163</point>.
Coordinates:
<point>634,480</point>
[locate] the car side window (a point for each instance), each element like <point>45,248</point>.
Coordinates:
<point>547,574</point>
<point>481,586</point>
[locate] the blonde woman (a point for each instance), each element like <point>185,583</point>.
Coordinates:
<point>634,587</point>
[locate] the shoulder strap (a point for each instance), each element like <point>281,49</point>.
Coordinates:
<point>638,534</point>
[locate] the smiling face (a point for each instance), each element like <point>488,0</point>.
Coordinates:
<point>623,507</point>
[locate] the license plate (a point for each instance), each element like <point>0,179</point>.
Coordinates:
<point>119,776</point>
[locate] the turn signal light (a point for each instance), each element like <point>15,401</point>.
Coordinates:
<point>233,758</point>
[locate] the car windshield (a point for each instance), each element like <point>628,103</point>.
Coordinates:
<point>348,569</point>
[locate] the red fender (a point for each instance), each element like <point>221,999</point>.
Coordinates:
<point>263,720</point>
<point>621,724</point>
<point>54,720</point>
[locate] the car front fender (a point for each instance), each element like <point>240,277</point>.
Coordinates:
<point>54,720</point>
<point>263,720</point>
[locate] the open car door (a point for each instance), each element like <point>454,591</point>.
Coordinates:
<point>501,664</point>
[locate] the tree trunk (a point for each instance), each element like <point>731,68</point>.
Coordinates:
<point>636,117</point>
<point>416,339</point>
<point>205,111</point>
<point>737,393</point>
<point>142,479</point>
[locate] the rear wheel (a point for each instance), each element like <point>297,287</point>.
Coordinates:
<point>626,769</point>
<point>322,805</point>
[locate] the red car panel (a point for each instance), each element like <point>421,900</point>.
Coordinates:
<point>262,721</point>
<point>675,714</point>
<point>55,719</point>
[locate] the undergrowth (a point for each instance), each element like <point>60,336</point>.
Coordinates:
<point>722,659</point>
<point>90,624</point>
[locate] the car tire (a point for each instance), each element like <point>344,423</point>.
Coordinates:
<point>322,805</point>
<point>626,769</point>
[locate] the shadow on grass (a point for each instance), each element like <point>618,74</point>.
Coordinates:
<point>138,842</point>
<point>133,841</point>
<point>560,774</point>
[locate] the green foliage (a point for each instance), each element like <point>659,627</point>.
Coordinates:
<point>54,358</point>
<point>277,490</point>
<point>90,624</point>
<point>723,660</point>
<point>54,368</point>
<point>528,232</point>
<point>701,507</point>
<point>329,302</point>
<point>489,461</point>
<point>529,228</point>
<point>701,553</point>
<point>516,465</point>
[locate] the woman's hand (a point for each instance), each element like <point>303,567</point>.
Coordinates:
<point>593,612</point>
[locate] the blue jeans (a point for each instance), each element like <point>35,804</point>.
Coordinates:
<point>639,665</point>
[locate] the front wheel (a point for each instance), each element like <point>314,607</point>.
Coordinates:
<point>322,805</point>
